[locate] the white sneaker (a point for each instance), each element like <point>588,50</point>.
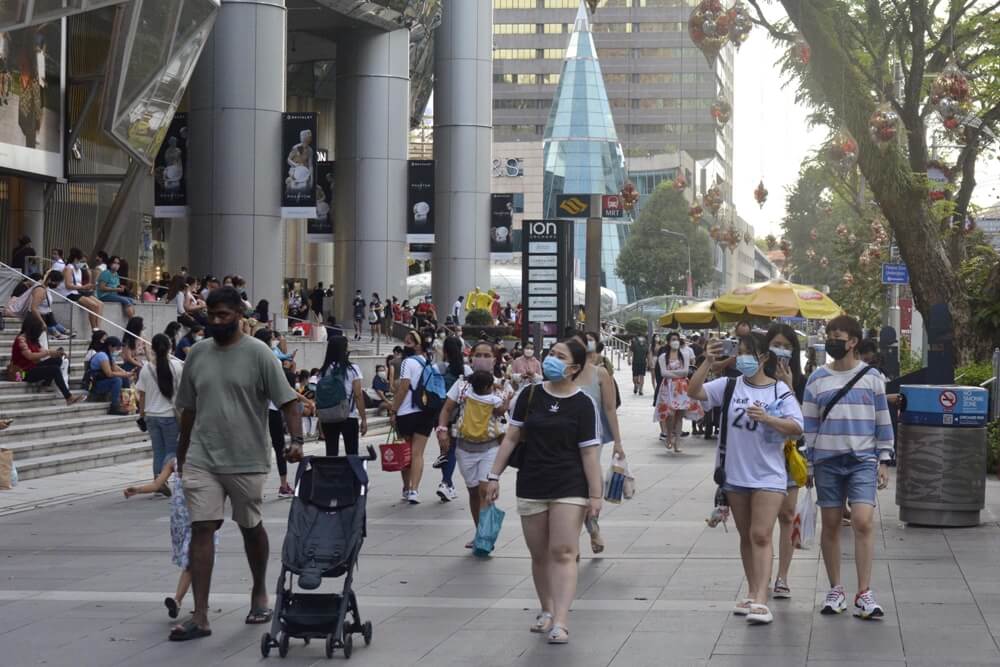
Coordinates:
<point>868,607</point>
<point>406,494</point>
<point>413,497</point>
<point>442,492</point>
<point>835,603</point>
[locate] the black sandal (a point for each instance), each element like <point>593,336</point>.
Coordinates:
<point>258,615</point>
<point>172,607</point>
<point>187,631</point>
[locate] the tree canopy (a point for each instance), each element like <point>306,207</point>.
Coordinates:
<point>861,56</point>
<point>654,263</point>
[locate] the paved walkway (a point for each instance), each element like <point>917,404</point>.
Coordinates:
<point>82,583</point>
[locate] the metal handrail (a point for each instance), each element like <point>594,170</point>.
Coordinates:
<point>74,305</point>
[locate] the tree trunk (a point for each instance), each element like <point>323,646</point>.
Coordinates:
<point>900,194</point>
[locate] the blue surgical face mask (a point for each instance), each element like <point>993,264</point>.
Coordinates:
<point>747,364</point>
<point>781,353</point>
<point>554,368</point>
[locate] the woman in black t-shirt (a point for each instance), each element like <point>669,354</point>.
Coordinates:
<point>558,481</point>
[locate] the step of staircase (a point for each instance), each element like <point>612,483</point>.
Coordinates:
<point>53,413</point>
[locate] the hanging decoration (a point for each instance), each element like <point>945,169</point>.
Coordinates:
<point>695,212</point>
<point>811,254</point>
<point>950,95</point>
<point>680,182</point>
<point>722,111</point>
<point>800,50</point>
<point>740,24</point>
<point>629,196</point>
<point>940,177</point>
<point>708,27</point>
<point>712,199</point>
<point>880,237</point>
<point>842,230</point>
<point>852,238</point>
<point>883,126</point>
<point>842,151</point>
<point>865,260</point>
<point>824,262</point>
<point>848,278</point>
<point>760,194</point>
<point>771,241</point>
<point>813,234</point>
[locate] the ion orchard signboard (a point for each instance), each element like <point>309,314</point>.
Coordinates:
<point>32,94</point>
<point>547,278</point>
<point>298,173</point>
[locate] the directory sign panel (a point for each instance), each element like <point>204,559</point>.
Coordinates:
<point>169,177</point>
<point>547,277</point>
<point>32,99</point>
<point>420,202</point>
<point>298,170</point>
<point>320,228</point>
<point>501,226</point>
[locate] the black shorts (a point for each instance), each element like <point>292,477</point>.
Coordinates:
<point>415,423</point>
<point>74,297</point>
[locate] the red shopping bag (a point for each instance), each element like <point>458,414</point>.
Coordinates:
<point>396,454</point>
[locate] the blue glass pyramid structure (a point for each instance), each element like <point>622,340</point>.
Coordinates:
<point>582,154</point>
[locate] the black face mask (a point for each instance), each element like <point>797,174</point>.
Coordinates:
<point>836,348</point>
<point>222,333</point>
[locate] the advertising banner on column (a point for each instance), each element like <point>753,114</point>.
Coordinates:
<point>501,226</point>
<point>298,172</point>
<point>32,94</point>
<point>320,228</point>
<point>547,277</point>
<point>421,251</point>
<point>420,215</point>
<point>170,182</point>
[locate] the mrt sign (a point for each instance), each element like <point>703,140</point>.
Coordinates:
<point>612,206</point>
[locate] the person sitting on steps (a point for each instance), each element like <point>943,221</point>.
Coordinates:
<point>108,377</point>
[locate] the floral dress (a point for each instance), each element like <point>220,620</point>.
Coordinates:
<point>672,397</point>
<point>180,524</point>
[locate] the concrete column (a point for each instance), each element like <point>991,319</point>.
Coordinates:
<point>237,96</point>
<point>372,124</point>
<point>32,213</point>
<point>463,142</point>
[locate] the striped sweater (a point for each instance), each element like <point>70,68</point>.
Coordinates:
<point>859,423</point>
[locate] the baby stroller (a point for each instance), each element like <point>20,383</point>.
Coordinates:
<point>326,528</point>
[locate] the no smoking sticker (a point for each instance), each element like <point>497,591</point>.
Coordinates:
<point>948,399</point>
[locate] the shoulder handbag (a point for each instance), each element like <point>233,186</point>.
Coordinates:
<point>516,458</point>
<point>727,397</point>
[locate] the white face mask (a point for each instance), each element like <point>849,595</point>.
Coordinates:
<point>591,346</point>
<point>675,345</point>
<point>381,374</point>
<point>529,353</point>
<point>274,343</point>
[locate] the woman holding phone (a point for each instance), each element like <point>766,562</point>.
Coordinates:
<point>754,470</point>
<point>783,344</point>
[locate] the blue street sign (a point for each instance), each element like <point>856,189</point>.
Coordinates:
<point>895,274</point>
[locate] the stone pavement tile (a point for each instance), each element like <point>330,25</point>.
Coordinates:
<point>615,591</point>
<point>787,630</point>
<point>849,638</point>
<point>868,663</point>
<point>915,615</point>
<point>754,660</point>
<point>681,623</point>
<point>923,590</point>
<point>939,568</point>
<point>946,640</point>
<point>665,647</point>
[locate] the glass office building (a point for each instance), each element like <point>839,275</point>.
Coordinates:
<point>581,150</point>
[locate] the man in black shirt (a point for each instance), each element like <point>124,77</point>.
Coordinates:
<point>316,301</point>
<point>359,313</point>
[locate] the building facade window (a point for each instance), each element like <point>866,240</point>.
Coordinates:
<point>611,53</point>
<point>515,4</point>
<point>554,28</point>
<point>561,4</point>
<point>553,54</point>
<point>513,54</point>
<point>550,79</point>
<point>513,28</point>
<point>612,27</point>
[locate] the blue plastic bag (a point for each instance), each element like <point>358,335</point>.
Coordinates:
<point>490,522</point>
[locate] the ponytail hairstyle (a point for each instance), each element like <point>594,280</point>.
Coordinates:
<point>452,349</point>
<point>164,374</point>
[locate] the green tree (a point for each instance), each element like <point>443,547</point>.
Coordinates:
<point>654,263</point>
<point>863,52</point>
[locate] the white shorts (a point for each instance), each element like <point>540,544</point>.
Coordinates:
<point>475,466</point>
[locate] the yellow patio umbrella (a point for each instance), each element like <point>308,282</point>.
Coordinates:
<point>778,298</point>
<point>697,315</point>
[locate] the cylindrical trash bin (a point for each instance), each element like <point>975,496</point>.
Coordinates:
<point>941,455</point>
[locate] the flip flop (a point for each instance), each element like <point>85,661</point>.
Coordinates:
<point>171,605</point>
<point>258,615</point>
<point>187,631</point>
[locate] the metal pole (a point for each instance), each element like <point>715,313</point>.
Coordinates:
<point>592,294</point>
<point>995,414</point>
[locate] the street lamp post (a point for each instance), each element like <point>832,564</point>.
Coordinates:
<point>687,244</point>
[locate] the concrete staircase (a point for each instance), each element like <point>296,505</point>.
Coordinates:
<point>48,437</point>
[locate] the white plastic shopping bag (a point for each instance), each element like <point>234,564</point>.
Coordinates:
<point>804,524</point>
<point>614,481</point>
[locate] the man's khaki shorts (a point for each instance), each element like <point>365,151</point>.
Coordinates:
<point>206,493</point>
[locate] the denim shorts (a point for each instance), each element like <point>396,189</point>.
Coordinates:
<point>846,477</point>
<point>730,488</point>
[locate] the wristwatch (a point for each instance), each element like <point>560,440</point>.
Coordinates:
<point>493,477</point>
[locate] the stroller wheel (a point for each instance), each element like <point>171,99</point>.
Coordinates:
<point>283,644</point>
<point>366,632</point>
<point>329,646</point>
<point>265,644</point>
<point>348,646</point>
